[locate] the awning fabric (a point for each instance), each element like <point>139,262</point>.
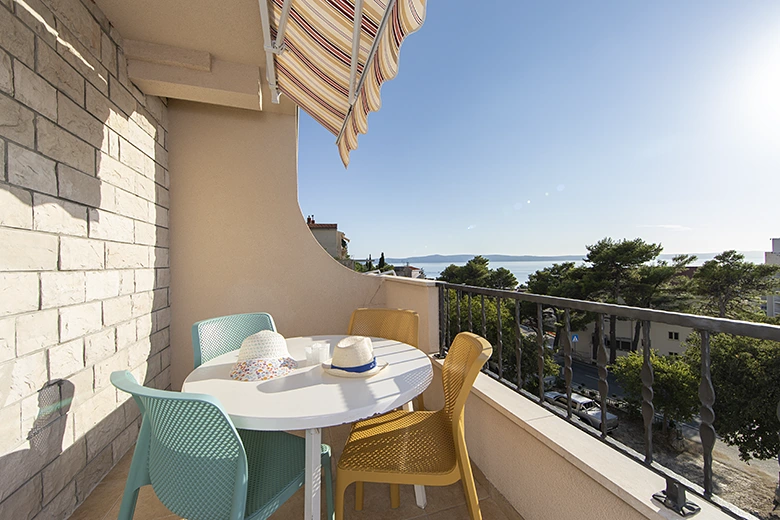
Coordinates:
<point>314,69</point>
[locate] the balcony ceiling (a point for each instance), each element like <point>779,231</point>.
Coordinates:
<point>230,29</point>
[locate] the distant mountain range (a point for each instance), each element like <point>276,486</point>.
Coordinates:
<point>456,259</point>
<point>753,256</point>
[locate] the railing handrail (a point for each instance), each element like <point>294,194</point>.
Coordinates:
<point>681,319</point>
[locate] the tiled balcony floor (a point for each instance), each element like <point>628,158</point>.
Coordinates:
<point>444,503</point>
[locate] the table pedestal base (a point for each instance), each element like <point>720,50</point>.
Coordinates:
<point>313,484</point>
<point>419,491</point>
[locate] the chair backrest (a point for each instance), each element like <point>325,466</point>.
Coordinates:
<point>464,360</point>
<point>217,336</point>
<point>189,451</point>
<point>398,324</point>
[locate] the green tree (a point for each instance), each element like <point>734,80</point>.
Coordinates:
<point>381,263</point>
<point>502,278</point>
<point>369,264</point>
<point>660,285</point>
<point>746,379</point>
<point>565,280</point>
<point>613,267</point>
<point>477,273</point>
<point>675,385</point>
<point>729,287</point>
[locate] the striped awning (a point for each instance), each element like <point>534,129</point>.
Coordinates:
<point>320,49</point>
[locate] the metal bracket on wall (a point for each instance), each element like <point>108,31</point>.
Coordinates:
<point>673,497</point>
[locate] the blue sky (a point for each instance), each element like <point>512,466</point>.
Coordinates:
<point>540,127</point>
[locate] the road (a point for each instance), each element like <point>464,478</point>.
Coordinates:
<point>587,375</point>
<point>730,454</point>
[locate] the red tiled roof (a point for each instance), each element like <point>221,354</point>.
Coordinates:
<point>323,226</point>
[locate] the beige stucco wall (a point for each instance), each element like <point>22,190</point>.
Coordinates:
<point>419,295</point>
<point>239,242</point>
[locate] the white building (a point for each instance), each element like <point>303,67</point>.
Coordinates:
<point>330,238</point>
<point>773,258</point>
<point>666,339</point>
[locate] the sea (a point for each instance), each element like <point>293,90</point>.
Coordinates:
<point>522,269</point>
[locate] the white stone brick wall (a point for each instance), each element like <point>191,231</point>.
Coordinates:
<point>83,253</point>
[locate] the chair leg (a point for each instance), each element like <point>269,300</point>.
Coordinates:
<point>395,496</point>
<point>341,488</point>
<point>420,403</point>
<point>358,496</point>
<point>328,480</point>
<point>470,489</point>
<point>129,499</point>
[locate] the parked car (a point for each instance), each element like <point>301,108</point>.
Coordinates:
<point>583,407</point>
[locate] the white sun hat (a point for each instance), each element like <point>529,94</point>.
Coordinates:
<point>354,357</point>
<point>262,356</point>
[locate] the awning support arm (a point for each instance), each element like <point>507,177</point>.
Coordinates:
<point>369,62</point>
<point>279,43</point>
<point>358,21</point>
<point>273,47</point>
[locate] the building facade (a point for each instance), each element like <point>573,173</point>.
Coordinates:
<point>773,258</point>
<point>335,242</point>
<point>665,339</point>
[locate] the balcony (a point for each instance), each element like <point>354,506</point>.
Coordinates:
<point>125,217</point>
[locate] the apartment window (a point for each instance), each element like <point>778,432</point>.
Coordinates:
<point>622,344</point>
<point>674,335</point>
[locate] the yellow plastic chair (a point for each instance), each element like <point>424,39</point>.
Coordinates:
<point>422,447</point>
<point>398,324</point>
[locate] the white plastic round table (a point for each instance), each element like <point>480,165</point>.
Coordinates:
<point>309,398</point>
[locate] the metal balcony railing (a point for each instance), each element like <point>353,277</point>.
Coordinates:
<point>451,321</point>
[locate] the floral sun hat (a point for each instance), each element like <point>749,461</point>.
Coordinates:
<point>263,356</point>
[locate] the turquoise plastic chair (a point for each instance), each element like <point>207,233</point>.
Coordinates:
<point>217,336</point>
<point>202,468</point>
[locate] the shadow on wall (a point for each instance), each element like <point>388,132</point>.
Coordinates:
<point>85,159</point>
<point>64,461</point>
<point>45,436</point>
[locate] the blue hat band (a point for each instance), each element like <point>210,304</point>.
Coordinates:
<point>361,368</point>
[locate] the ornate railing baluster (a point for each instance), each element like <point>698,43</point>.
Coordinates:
<point>707,398</point>
<point>567,370</point>
<point>447,310</point>
<point>648,411</point>
<point>500,335</point>
<point>486,366</point>
<point>540,349</point>
<point>518,346</point>
<point>776,501</point>
<point>458,296</point>
<point>442,322</point>
<point>484,321</point>
<point>601,362</point>
<point>471,321</point>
